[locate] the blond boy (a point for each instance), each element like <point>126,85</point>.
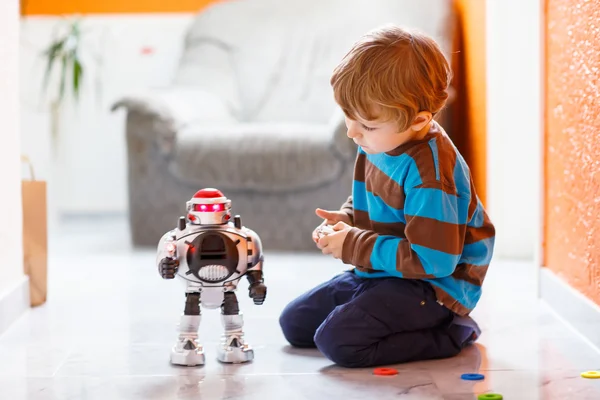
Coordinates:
<point>414,230</point>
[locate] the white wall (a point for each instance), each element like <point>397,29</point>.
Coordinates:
<point>11,231</point>
<point>84,181</point>
<point>514,118</point>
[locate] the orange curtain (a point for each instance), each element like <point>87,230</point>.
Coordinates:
<point>468,113</point>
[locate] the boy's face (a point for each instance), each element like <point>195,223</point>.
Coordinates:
<point>383,136</point>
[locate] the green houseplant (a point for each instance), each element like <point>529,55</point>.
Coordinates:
<point>64,53</point>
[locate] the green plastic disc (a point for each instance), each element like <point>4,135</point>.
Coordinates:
<point>490,396</point>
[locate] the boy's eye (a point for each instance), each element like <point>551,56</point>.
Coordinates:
<point>367,128</point>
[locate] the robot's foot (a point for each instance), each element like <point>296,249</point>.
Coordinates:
<point>233,350</point>
<point>188,353</point>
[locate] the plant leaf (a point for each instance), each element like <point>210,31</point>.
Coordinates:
<point>77,74</point>
<point>63,76</point>
<point>55,47</point>
<point>76,29</point>
<point>51,53</point>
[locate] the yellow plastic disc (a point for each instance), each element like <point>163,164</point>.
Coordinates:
<point>591,374</point>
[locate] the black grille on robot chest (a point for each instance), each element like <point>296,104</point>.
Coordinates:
<point>212,257</point>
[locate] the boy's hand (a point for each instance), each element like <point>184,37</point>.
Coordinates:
<point>334,242</point>
<point>329,218</point>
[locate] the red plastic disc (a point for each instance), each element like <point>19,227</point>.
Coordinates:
<point>385,371</point>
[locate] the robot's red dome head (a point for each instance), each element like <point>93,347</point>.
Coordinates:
<point>208,194</point>
<point>209,206</point>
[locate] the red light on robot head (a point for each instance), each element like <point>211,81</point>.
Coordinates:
<point>209,207</point>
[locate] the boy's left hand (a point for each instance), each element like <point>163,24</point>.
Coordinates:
<point>333,243</point>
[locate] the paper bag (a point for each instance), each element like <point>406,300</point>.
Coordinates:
<point>35,236</point>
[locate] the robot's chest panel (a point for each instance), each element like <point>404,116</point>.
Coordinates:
<point>214,256</point>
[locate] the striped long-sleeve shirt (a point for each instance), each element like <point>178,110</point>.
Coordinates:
<point>416,215</point>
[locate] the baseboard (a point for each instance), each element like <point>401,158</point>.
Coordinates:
<point>582,314</point>
<point>13,303</point>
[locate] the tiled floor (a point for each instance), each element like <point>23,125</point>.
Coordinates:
<point>109,323</point>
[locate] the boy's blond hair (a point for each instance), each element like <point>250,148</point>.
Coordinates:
<point>400,71</point>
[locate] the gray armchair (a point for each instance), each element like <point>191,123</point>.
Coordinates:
<point>251,112</point>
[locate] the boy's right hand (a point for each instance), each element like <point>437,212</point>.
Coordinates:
<point>329,218</point>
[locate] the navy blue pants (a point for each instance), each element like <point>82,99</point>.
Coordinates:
<point>365,322</point>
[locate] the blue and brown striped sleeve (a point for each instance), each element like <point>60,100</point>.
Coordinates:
<point>348,208</point>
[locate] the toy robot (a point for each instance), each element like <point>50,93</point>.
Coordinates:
<point>211,253</point>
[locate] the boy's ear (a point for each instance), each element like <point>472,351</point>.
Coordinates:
<point>421,120</point>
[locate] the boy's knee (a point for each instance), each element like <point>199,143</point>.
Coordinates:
<point>286,322</point>
<point>291,325</point>
<point>330,340</point>
<point>340,354</point>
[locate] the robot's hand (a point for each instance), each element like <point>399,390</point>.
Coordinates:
<point>168,267</point>
<point>258,292</point>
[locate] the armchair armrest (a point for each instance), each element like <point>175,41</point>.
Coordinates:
<point>169,110</point>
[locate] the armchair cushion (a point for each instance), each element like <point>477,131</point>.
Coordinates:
<point>263,157</point>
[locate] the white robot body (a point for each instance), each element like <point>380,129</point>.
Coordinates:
<point>211,253</point>
<point>212,258</point>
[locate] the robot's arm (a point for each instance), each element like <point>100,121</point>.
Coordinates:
<point>254,274</point>
<point>167,259</point>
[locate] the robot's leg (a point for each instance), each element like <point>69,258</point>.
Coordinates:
<point>233,349</point>
<point>187,351</point>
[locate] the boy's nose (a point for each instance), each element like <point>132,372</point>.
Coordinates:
<point>352,132</point>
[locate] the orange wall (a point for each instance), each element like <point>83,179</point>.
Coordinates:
<point>57,7</point>
<point>572,148</point>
